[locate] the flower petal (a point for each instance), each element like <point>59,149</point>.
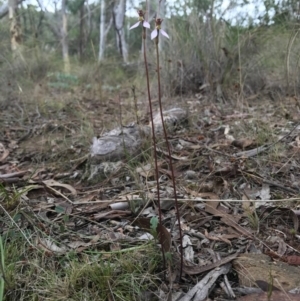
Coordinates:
<point>146,24</point>
<point>164,33</point>
<point>135,25</point>
<point>154,34</point>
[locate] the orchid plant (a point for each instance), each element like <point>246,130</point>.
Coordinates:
<point>158,29</point>
<point>155,35</point>
<point>141,20</point>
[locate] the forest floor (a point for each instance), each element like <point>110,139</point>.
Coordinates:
<point>237,171</point>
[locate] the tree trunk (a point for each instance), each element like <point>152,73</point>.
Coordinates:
<point>4,8</point>
<point>15,28</point>
<point>88,23</point>
<point>64,38</point>
<point>163,25</point>
<point>81,32</point>
<point>26,30</point>
<point>119,17</point>
<point>102,31</point>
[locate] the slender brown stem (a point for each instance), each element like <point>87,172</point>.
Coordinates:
<point>169,152</point>
<point>154,143</point>
<point>135,105</point>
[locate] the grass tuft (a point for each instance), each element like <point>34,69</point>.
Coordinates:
<point>34,275</point>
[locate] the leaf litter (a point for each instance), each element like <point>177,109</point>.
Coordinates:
<point>238,187</point>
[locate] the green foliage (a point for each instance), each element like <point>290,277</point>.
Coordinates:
<point>153,225</point>
<point>2,269</point>
<point>62,81</point>
<point>190,6</point>
<point>75,5</point>
<point>168,256</point>
<point>197,39</point>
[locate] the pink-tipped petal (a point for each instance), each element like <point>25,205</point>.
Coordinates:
<point>135,25</point>
<point>146,24</point>
<point>154,34</point>
<point>164,33</point>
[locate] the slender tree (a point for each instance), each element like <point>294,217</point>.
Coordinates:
<point>15,28</point>
<point>4,8</point>
<point>162,14</point>
<point>118,19</point>
<point>64,37</point>
<point>104,29</point>
<point>81,32</point>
